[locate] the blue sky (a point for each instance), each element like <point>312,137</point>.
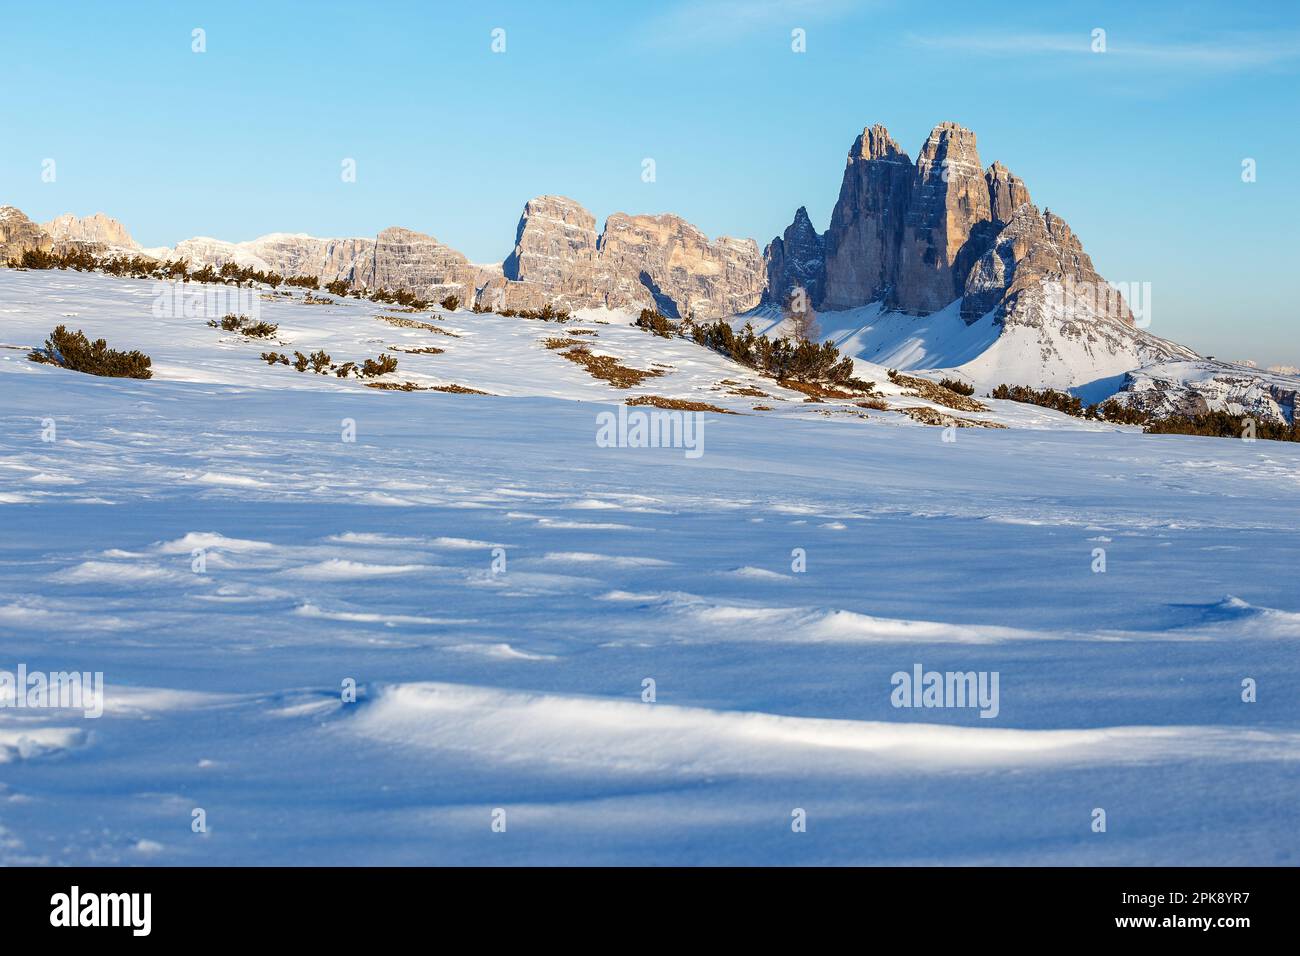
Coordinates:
<point>1138,148</point>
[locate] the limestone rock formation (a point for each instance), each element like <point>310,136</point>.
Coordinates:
<point>944,231</point>
<point>637,262</point>
<point>796,259</point>
<point>1036,271</point>
<point>98,230</point>
<point>919,236</point>
<point>1007,192</point>
<point>18,234</point>
<point>396,259</point>
<point>866,228</point>
<point>555,247</point>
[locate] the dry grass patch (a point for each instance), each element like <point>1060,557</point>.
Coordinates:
<point>608,369</point>
<point>932,416</point>
<point>815,389</point>
<point>560,343</point>
<point>397,386</point>
<point>457,390</point>
<point>676,404</point>
<point>934,392</point>
<point>403,323</point>
<point>879,404</point>
<point>428,350</point>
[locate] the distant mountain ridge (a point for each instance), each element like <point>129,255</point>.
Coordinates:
<point>935,264</point>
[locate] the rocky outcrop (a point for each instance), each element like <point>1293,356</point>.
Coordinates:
<point>404,259</point>
<point>396,259</point>
<point>865,235</point>
<point>919,236</point>
<point>947,225</point>
<point>18,234</point>
<point>1007,193</point>
<point>1181,387</point>
<point>1036,271</point>
<point>558,259</point>
<point>795,260</point>
<point>98,230</point>
<point>661,262</point>
<point>555,247</point>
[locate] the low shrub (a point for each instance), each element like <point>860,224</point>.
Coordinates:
<point>244,326</point>
<point>72,350</point>
<point>1044,398</point>
<point>382,365</point>
<point>656,322</point>
<point>1223,425</point>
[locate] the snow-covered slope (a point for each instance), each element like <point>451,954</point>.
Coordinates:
<point>1193,387</point>
<point>502,589</point>
<point>1089,356</point>
<point>499,355</point>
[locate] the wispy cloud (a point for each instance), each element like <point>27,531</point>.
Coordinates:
<point>1230,52</point>
<point>721,21</point>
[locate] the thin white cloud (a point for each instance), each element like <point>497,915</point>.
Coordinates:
<point>721,21</point>
<point>1230,52</point>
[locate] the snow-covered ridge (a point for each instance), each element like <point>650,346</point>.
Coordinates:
<point>499,355</point>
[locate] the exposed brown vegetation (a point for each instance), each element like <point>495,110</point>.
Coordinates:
<point>457,390</point>
<point>609,369</point>
<point>932,416</point>
<point>677,404</point>
<point>560,343</point>
<point>404,323</point>
<point>399,387</point>
<point>934,392</point>
<point>820,391</point>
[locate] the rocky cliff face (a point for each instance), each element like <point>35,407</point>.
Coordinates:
<point>559,259</point>
<point>1036,271</point>
<point>945,227</point>
<point>866,230</point>
<point>660,262</point>
<point>920,236</point>
<point>396,259</point>
<point>796,260</point>
<point>18,234</point>
<point>99,231</point>
<point>1183,387</point>
<point>1007,193</point>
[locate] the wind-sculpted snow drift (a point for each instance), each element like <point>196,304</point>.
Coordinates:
<point>471,613</point>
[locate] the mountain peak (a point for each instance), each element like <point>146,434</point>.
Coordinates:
<point>875,143</point>
<point>97,228</point>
